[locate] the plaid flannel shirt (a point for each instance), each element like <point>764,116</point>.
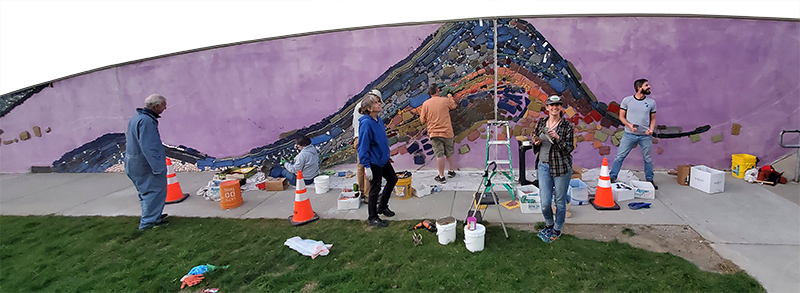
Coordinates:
<point>561,151</point>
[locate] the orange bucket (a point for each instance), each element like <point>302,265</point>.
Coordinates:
<point>230,194</point>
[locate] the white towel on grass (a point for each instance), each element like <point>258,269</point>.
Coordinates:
<point>308,247</point>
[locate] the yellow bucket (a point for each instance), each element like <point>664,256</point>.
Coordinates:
<point>403,188</point>
<point>741,163</point>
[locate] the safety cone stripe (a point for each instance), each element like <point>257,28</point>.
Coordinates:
<point>300,197</point>
<point>604,184</point>
<point>170,171</point>
<point>605,177</point>
<point>174,192</point>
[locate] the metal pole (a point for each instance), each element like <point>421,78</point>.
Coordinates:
<point>797,146</point>
<point>797,168</point>
<point>495,69</point>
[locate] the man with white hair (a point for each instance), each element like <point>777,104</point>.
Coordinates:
<point>145,161</point>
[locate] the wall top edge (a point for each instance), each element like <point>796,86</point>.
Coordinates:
<point>635,15</point>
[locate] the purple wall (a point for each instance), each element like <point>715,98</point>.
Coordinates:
<point>226,101</point>
<point>702,70</point>
<point>223,101</point>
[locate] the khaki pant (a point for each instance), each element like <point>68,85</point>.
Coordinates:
<point>363,183</point>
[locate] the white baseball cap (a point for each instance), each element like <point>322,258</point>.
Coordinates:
<point>376,92</point>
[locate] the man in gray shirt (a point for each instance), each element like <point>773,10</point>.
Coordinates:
<point>638,114</point>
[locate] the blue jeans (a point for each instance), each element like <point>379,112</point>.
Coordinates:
<point>291,177</point>
<point>548,184</point>
<point>626,144</point>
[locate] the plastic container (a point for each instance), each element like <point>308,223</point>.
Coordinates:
<point>578,190</point>
<point>471,222</point>
<point>741,163</point>
<point>527,190</point>
<point>474,240</point>
<point>576,202</point>
<point>446,233</point>
<point>230,194</point>
<point>321,183</point>
<point>349,201</point>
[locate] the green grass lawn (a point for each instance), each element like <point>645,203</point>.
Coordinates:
<point>77,254</point>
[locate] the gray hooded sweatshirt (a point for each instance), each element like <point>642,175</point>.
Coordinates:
<point>307,161</point>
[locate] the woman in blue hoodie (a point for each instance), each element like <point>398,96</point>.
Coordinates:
<point>373,153</point>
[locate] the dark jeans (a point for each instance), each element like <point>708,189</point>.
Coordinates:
<point>386,172</point>
<point>291,177</point>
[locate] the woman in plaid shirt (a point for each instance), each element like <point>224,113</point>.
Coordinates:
<point>553,144</point>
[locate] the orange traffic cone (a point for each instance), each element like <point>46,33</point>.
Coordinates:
<point>174,192</point>
<point>303,213</point>
<point>603,198</point>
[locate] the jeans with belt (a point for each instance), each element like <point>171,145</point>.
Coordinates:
<point>626,144</point>
<point>547,185</point>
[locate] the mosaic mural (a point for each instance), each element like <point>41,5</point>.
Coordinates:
<point>460,56</point>
<point>457,56</point>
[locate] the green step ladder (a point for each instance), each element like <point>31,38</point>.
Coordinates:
<point>497,170</point>
<point>499,151</point>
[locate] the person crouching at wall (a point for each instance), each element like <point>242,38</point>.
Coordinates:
<point>373,153</point>
<point>553,144</point>
<point>307,161</point>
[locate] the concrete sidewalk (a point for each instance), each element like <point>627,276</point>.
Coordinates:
<point>748,224</point>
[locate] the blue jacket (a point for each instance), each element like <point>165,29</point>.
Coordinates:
<point>373,145</point>
<point>144,153</point>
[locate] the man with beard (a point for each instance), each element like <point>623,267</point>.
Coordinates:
<point>638,114</point>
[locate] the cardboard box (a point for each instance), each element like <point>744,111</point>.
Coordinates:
<point>276,185</point>
<point>622,191</point>
<point>643,189</point>
<point>707,180</point>
<point>577,172</point>
<point>683,174</point>
<point>349,200</point>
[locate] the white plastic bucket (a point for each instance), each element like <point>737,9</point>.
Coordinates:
<point>321,183</point>
<point>446,233</point>
<point>474,239</point>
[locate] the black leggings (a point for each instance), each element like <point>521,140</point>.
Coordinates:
<point>387,172</point>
